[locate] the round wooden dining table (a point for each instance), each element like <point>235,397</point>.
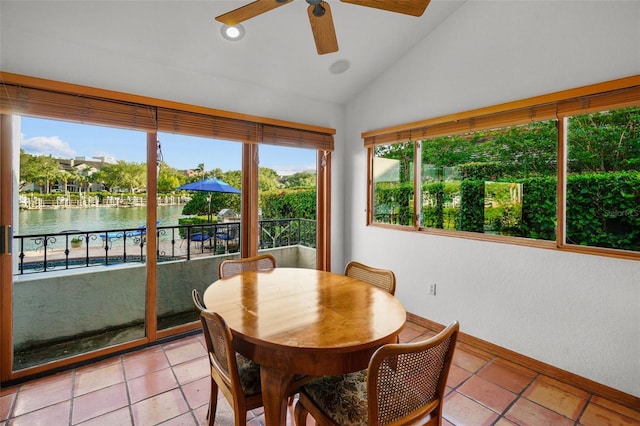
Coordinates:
<point>295,321</point>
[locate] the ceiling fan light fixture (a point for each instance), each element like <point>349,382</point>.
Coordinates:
<point>232,32</point>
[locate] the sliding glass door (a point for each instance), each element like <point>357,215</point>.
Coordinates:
<point>102,236</point>
<point>287,197</point>
<point>79,240</point>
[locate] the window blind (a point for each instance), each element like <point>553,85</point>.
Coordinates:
<point>296,138</point>
<point>196,124</point>
<point>476,120</point>
<point>209,126</point>
<point>17,99</point>
<point>32,97</point>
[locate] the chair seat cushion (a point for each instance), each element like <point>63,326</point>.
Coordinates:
<point>249,373</point>
<point>342,398</point>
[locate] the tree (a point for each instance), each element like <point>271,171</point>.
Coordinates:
<point>402,152</point>
<point>300,179</point>
<point>83,178</point>
<point>123,175</point>
<point>65,177</point>
<point>39,169</point>
<point>268,179</point>
<point>169,178</point>
<point>523,151</point>
<point>605,141</point>
<point>447,151</point>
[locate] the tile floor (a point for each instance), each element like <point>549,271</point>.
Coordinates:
<point>169,385</point>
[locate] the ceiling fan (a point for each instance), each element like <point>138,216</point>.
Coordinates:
<point>320,16</point>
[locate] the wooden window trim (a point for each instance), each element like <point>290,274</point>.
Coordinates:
<point>617,93</point>
<point>65,101</point>
<point>621,92</point>
<point>24,95</point>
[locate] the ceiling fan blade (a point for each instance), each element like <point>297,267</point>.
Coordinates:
<point>250,10</point>
<point>323,30</point>
<point>407,7</point>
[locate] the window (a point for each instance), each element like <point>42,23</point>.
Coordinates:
<point>71,309</point>
<point>493,173</point>
<point>393,184</point>
<point>603,179</point>
<point>498,182</point>
<point>154,302</point>
<point>287,199</point>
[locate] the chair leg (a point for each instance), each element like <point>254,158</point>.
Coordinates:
<point>300,414</point>
<point>240,417</point>
<point>213,403</point>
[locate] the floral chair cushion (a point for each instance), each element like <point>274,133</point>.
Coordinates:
<point>249,373</point>
<point>343,398</point>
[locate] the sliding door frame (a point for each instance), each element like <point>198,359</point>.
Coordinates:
<point>278,132</point>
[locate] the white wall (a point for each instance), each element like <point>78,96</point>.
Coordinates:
<point>558,308</point>
<point>579,313</point>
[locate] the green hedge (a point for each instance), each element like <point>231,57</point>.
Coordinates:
<point>489,170</point>
<point>394,203</point>
<point>603,209</point>
<point>289,204</point>
<point>539,208</point>
<point>472,205</point>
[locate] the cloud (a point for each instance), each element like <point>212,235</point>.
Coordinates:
<point>288,170</point>
<point>47,145</point>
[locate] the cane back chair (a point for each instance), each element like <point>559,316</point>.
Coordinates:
<point>404,384</point>
<point>237,377</point>
<point>383,278</point>
<point>230,267</point>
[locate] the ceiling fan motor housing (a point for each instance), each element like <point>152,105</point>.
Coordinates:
<point>318,10</point>
<point>323,30</point>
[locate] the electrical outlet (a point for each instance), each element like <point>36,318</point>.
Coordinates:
<point>432,289</point>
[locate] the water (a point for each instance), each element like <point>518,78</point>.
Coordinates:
<point>44,221</point>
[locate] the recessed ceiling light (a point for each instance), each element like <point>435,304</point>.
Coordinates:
<point>232,33</point>
<point>339,67</point>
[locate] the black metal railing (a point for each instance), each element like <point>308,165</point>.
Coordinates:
<point>286,232</point>
<point>72,249</point>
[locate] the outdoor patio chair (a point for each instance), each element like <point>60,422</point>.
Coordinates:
<point>199,237</point>
<point>141,231</point>
<point>231,233</point>
<point>383,278</point>
<point>404,384</point>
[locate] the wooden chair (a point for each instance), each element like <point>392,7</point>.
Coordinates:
<point>230,267</point>
<point>404,384</point>
<point>263,262</point>
<point>383,278</point>
<point>229,373</point>
<point>237,377</point>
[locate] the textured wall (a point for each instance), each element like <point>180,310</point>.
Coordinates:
<point>577,312</point>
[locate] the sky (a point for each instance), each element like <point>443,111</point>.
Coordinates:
<point>70,140</point>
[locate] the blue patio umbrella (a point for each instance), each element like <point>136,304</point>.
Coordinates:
<point>210,185</point>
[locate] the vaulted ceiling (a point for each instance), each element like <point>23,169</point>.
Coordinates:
<point>277,52</point>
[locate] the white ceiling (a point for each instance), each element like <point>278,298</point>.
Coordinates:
<point>277,52</point>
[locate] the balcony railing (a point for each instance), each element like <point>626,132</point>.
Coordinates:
<point>72,249</point>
